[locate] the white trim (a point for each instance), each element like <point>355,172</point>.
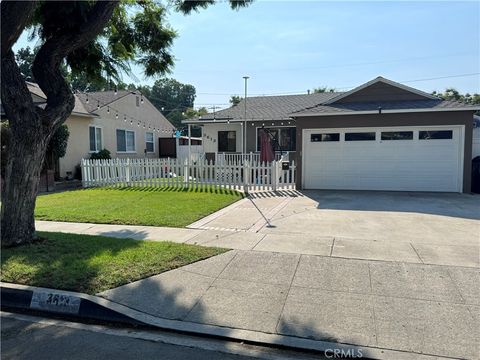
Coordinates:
<point>373,112</point>
<point>415,129</point>
<point>231,121</point>
<point>462,155</point>
<point>153,141</point>
<point>134,139</point>
<point>385,81</point>
<point>101,137</point>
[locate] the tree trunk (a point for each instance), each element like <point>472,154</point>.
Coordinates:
<point>25,161</point>
<point>32,127</point>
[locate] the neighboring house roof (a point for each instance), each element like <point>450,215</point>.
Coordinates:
<point>270,107</point>
<point>40,99</point>
<point>100,99</point>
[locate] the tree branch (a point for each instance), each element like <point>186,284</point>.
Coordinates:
<point>16,98</point>
<point>46,66</point>
<point>14,17</point>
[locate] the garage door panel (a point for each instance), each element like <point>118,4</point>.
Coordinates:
<point>410,165</point>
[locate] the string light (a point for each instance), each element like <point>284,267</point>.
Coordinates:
<point>118,113</point>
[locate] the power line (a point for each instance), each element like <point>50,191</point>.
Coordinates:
<point>345,87</point>
<point>439,56</point>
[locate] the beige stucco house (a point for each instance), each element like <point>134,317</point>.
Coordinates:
<point>124,122</point>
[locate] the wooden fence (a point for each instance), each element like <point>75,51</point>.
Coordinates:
<point>246,176</point>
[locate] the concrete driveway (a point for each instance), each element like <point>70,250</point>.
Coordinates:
<point>373,271</point>
<point>430,228</point>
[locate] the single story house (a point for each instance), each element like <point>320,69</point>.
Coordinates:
<point>382,135</point>
<point>123,122</point>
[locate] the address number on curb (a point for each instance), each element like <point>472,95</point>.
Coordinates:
<point>51,301</point>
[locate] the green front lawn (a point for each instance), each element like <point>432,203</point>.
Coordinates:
<point>92,264</point>
<point>134,206</point>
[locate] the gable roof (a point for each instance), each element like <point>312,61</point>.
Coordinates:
<point>40,99</point>
<point>269,107</point>
<point>385,106</point>
<point>420,95</point>
<point>100,99</point>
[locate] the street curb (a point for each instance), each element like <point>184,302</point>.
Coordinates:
<point>19,297</point>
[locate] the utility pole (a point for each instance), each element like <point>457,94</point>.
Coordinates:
<point>245,118</point>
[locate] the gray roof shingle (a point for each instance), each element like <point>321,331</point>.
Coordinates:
<point>101,98</point>
<point>270,107</point>
<point>386,105</point>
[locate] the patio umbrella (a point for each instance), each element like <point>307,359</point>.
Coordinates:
<point>266,149</point>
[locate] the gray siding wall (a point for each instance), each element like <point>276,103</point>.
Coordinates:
<point>380,92</point>
<point>381,120</point>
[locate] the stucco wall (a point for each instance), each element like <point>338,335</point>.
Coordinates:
<point>78,143</point>
<point>381,120</point>
<point>210,136</point>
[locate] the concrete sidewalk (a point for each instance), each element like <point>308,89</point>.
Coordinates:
<point>423,309</point>
<point>460,254</point>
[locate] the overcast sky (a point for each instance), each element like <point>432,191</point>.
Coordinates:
<point>292,46</point>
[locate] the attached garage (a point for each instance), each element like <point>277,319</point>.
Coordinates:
<point>385,136</point>
<point>386,158</point>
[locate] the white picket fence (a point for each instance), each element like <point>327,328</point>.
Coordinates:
<point>247,176</point>
<point>240,158</point>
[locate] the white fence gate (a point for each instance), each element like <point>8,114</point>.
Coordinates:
<point>247,176</point>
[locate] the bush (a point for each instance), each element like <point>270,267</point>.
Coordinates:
<point>101,155</point>
<point>58,143</point>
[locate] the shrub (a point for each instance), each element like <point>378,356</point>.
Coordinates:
<point>101,155</point>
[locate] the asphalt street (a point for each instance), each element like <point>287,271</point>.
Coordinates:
<point>26,337</point>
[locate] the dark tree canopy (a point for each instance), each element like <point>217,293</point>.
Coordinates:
<point>323,89</point>
<point>235,100</point>
<point>453,94</point>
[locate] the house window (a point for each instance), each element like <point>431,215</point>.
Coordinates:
<point>282,138</point>
<point>325,137</point>
<point>227,141</point>
<point>360,136</point>
<point>435,135</point>
<point>397,135</point>
<point>149,142</point>
<point>95,135</point>
<point>137,101</point>
<point>125,141</point>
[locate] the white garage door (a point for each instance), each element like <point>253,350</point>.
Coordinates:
<point>399,159</point>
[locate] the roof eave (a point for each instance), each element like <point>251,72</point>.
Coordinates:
<point>383,111</point>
